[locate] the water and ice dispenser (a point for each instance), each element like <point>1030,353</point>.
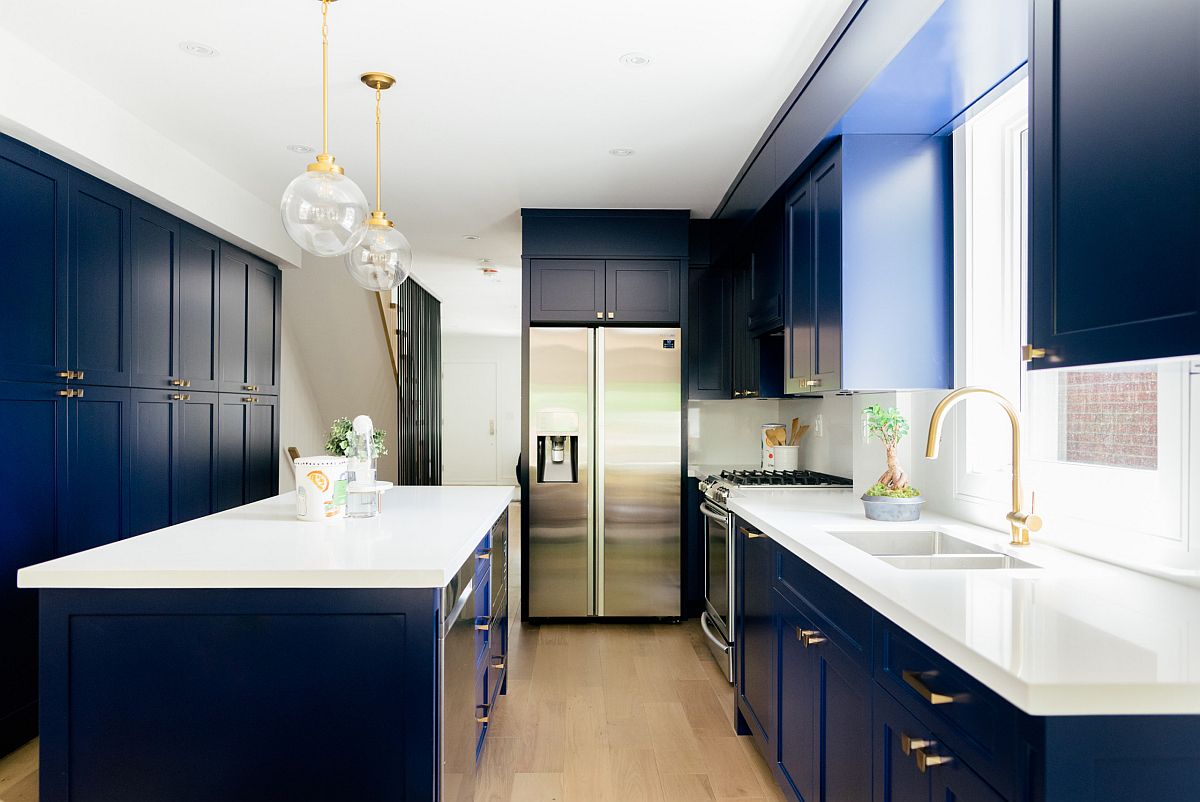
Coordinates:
<point>557,446</point>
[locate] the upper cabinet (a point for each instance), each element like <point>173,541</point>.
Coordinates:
<point>1114,181</point>
<point>249,336</point>
<point>604,266</point>
<point>196,320</point>
<point>33,225</point>
<point>710,318</point>
<point>868,267</point>
<point>99,336</point>
<point>155,244</point>
<point>766,272</point>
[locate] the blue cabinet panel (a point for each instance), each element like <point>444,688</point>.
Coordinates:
<point>233,359</point>
<point>264,291</point>
<point>94,510</point>
<point>1114,181</point>
<point>262,449</point>
<point>754,631</point>
<point>566,290</point>
<point>100,291</point>
<point>710,318</point>
<point>766,272</point>
<point>35,417</point>
<point>798,739</point>
<point>33,227</point>
<point>155,243</point>
<point>198,286</point>
<point>195,457</point>
<point>826,184</point>
<point>233,434</point>
<point>152,460</point>
<point>642,291</point>
<point>897,777</point>
<point>799,279</point>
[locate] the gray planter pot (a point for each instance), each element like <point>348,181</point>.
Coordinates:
<point>885,508</point>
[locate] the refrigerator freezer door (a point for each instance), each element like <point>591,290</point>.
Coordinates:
<point>561,547</point>
<point>639,426</point>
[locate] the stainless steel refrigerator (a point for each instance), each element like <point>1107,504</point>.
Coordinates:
<point>605,432</point>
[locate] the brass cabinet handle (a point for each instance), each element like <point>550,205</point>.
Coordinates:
<point>926,760</point>
<point>251,388</point>
<point>599,316</point>
<point>180,397</point>
<point>79,393</point>
<point>67,393</point>
<point>177,382</point>
<point>812,382</point>
<point>908,743</point>
<point>809,637</point>
<point>913,678</point>
<point>499,663</point>
<point>749,534</point>
<point>65,374</point>
<point>486,554</point>
<point>611,315</point>
<point>478,718</point>
<point>750,393</point>
<point>737,393</point>
<point>1029,353</point>
<point>249,400</point>
<point>484,627</point>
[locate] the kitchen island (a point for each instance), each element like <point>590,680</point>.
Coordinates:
<point>248,656</point>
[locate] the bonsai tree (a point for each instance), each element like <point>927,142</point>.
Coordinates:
<point>889,427</point>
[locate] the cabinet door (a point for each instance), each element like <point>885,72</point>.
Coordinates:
<point>152,460</point>
<point>827,272</point>
<point>799,280</point>
<point>262,449</point>
<point>232,339</point>
<point>754,636</point>
<point>1114,236</point>
<point>195,456</point>
<point>954,781</point>
<point>154,243</point>
<point>198,283</point>
<point>35,417</point>
<point>897,777</point>
<point>766,274</point>
<point>844,723</point>
<point>745,347</point>
<point>33,227</point>
<point>233,433</point>
<point>566,290</point>
<point>99,327</point>
<point>95,509</point>
<point>263,302</point>
<point>798,699</point>
<point>642,291</point>
<point>709,333</point>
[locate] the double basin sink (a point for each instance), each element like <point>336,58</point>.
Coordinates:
<point>928,549</point>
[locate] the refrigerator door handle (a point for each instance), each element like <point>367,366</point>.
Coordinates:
<point>598,450</point>
<point>594,452</point>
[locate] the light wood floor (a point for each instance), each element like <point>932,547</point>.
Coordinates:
<point>594,713</point>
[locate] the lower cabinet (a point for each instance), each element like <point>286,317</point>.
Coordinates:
<point>95,503</point>
<point>247,449</point>
<point>754,632</point>
<point>174,449</point>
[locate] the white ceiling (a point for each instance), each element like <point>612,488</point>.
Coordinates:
<point>498,104</point>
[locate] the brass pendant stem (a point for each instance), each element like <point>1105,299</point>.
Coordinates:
<point>324,76</point>
<point>378,153</point>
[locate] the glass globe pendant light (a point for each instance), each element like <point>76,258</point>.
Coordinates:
<point>323,211</point>
<point>381,260</point>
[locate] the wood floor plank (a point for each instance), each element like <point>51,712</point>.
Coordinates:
<point>537,787</point>
<point>675,746</point>
<point>704,711</point>
<point>729,768</point>
<point>634,775</point>
<point>687,788</point>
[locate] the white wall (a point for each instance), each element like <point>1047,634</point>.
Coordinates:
<point>300,421</point>
<point>334,337</point>
<point>49,108</point>
<point>505,352</point>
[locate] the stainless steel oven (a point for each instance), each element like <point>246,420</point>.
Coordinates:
<point>717,618</point>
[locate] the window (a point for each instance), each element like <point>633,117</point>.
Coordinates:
<point>1106,448</point>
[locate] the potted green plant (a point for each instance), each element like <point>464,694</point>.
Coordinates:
<point>891,498</point>
<point>338,443</point>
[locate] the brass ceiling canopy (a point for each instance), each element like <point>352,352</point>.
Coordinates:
<point>378,81</point>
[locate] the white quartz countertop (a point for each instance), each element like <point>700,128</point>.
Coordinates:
<point>1074,637</point>
<point>421,538</point>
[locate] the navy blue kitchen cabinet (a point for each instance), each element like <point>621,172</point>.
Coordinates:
<point>33,225</point>
<point>642,291</point>
<point>867,242</point>
<point>799,744</point>
<point>710,332</point>
<point>766,272</point>
<point>94,509</point>
<point>754,634</point>
<point>566,290</point>
<point>173,457</point>
<point>262,448</point>
<point>196,288</point>
<point>588,291</point>
<point>247,452</point>
<point>36,419</point>
<point>194,470</point>
<point>1113,268</point>
<point>250,320</point>
<point>99,329</point>
<point>155,244</point>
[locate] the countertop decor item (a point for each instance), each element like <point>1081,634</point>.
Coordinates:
<point>339,444</point>
<point>382,258</point>
<point>891,498</point>
<point>323,211</point>
<point>320,487</point>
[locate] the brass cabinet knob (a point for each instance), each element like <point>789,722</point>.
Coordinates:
<point>908,743</point>
<point>926,760</point>
<point>611,315</point>
<point>809,637</point>
<point>737,393</point>
<point>599,316</point>
<point>482,625</point>
<point>180,397</point>
<point>251,388</point>
<point>177,383</point>
<point>65,374</point>
<point>66,393</point>
<point>79,393</point>
<point>812,383</point>
<point>249,400</point>
<point>481,719</point>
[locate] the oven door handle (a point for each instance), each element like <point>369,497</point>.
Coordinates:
<point>718,642</point>
<point>710,511</point>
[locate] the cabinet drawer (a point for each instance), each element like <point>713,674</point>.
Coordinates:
<point>967,717</point>
<point>838,614</point>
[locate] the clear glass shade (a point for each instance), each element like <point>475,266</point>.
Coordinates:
<point>325,213</point>
<point>381,261</point>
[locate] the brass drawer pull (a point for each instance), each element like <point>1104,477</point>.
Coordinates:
<point>65,374</point>
<point>177,382</point>
<point>812,383</point>
<point>749,534</point>
<point>499,663</point>
<point>251,388</point>
<point>913,678</point>
<point>484,627</point>
<point>599,316</point>
<point>809,637</point>
<point>611,315</point>
<point>180,397</point>
<point>486,554</point>
<point>908,743</point>
<point>67,393</point>
<point>249,400</point>
<point>481,719</point>
<point>926,760</point>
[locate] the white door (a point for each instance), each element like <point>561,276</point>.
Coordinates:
<point>469,402</point>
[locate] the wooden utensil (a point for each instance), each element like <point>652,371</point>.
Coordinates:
<point>776,436</point>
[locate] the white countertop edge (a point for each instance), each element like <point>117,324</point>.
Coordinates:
<point>1056,699</point>
<point>54,575</point>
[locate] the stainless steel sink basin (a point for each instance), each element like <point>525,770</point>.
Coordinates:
<point>958,562</point>
<point>910,542</point>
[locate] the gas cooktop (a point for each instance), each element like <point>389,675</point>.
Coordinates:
<point>771,478</point>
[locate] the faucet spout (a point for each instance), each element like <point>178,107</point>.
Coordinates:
<point>1020,522</point>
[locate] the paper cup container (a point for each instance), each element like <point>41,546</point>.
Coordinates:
<point>787,458</point>
<point>768,452</point>
<point>320,488</point>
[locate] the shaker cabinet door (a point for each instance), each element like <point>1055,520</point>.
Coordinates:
<point>642,291</point>
<point>1114,181</point>
<point>195,444</point>
<point>264,292</point>
<point>198,284</point>
<point>827,273</point>
<point>155,245</point>
<point>152,465</point>
<point>233,433</point>
<point>33,227</point>
<point>709,332</point>
<point>233,337</point>
<point>754,635</point>
<point>94,510</point>
<point>262,449</point>
<point>566,290</point>
<point>100,292</point>
<point>799,747</point>
<point>800,325</point>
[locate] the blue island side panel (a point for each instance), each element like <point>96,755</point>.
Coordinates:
<point>239,694</point>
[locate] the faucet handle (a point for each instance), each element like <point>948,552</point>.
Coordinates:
<point>1033,521</point>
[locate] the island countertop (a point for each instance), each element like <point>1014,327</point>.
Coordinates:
<point>1073,637</point>
<point>421,538</point>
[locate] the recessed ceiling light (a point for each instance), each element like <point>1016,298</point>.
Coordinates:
<point>470,237</point>
<point>622,152</point>
<point>300,148</point>
<point>635,59</point>
<point>198,49</point>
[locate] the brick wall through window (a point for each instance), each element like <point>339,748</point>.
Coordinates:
<point>1109,417</point>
